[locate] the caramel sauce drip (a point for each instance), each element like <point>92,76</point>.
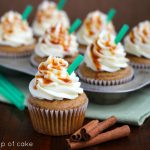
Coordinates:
<point>60,38</point>
<point>45,81</point>
<point>132,37</point>
<point>47,71</point>
<point>8,26</point>
<point>66,80</point>
<point>96,21</point>
<point>108,44</point>
<point>95,57</point>
<point>47,13</point>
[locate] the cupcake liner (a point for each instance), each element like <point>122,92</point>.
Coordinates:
<point>139,66</point>
<point>33,62</point>
<point>57,122</point>
<point>106,82</point>
<point>15,55</point>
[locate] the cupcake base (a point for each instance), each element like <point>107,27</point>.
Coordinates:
<point>139,62</point>
<point>105,78</point>
<point>57,118</point>
<point>36,60</point>
<point>21,51</point>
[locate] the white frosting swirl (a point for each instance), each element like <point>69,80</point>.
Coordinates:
<point>14,31</point>
<point>105,55</point>
<point>52,81</point>
<point>57,42</point>
<point>47,15</point>
<point>94,23</point>
<point>138,41</point>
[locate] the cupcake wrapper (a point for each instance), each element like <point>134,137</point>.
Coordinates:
<point>15,55</point>
<point>33,62</point>
<point>106,82</point>
<point>139,66</point>
<point>55,122</point>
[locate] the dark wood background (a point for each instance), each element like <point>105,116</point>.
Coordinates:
<point>128,11</point>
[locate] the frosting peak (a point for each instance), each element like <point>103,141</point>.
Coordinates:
<point>57,42</point>
<point>104,55</point>
<point>94,23</point>
<point>14,31</point>
<point>53,82</point>
<point>47,15</point>
<point>138,41</point>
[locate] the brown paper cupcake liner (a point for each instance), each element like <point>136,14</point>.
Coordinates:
<point>139,66</point>
<point>106,82</point>
<point>57,122</point>
<point>15,55</point>
<point>33,61</point>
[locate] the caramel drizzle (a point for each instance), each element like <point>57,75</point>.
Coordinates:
<point>44,14</point>
<point>96,47</point>
<point>97,23</point>
<point>60,38</point>
<point>143,36</point>
<point>8,26</point>
<point>94,56</point>
<point>46,71</point>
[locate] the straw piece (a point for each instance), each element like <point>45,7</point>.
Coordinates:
<point>75,25</point>
<point>121,33</point>
<point>27,12</point>
<point>11,91</point>
<point>111,14</point>
<point>11,99</point>
<point>12,87</point>
<point>61,4</point>
<point>75,64</point>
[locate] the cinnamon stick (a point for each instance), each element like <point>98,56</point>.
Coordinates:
<point>87,135</point>
<point>77,135</point>
<point>117,133</point>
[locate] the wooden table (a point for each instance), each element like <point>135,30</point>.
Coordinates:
<point>16,133</point>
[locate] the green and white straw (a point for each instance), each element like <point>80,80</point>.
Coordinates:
<point>61,4</point>
<point>27,12</point>
<point>121,33</point>
<point>111,15</point>
<point>75,64</point>
<point>75,25</point>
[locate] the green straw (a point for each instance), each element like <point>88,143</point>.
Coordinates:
<point>75,25</point>
<point>12,87</point>
<point>121,33</point>
<point>61,4</point>
<point>111,14</point>
<point>75,64</point>
<point>11,99</point>
<point>8,87</point>
<point>27,12</point>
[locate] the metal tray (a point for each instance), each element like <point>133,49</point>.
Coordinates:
<point>98,94</point>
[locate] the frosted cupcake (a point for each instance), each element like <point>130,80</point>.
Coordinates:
<point>47,15</point>
<point>57,103</point>
<point>16,37</point>
<point>137,45</point>
<point>94,23</point>
<point>105,62</point>
<point>55,42</point>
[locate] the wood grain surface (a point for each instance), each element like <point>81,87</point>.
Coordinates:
<point>16,126</point>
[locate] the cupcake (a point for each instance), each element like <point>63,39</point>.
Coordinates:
<point>57,103</point>
<point>137,45</point>
<point>47,15</point>
<point>105,62</point>
<point>55,42</point>
<point>16,37</point>
<point>94,23</point>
